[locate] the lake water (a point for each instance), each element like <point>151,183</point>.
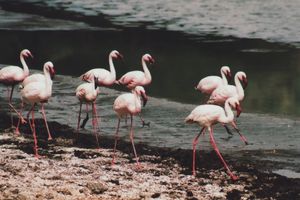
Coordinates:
<point>189,40</point>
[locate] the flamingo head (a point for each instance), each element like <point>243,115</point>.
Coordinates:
<point>50,68</point>
<point>243,78</point>
<point>139,90</point>
<point>116,55</point>
<point>26,53</point>
<point>148,58</point>
<point>235,104</point>
<point>226,71</point>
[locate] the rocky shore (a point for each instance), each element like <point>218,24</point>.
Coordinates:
<point>76,169</point>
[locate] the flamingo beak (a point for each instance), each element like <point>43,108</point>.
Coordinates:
<point>228,75</point>
<point>29,54</point>
<point>120,56</point>
<point>151,60</point>
<point>238,110</point>
<point>245,82</point>
<point>52,72</point>
<point>96,81</point>
<point>145,99</point>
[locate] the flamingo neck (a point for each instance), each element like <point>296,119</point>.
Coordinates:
<point>239,88</point>
<point>48,81</point>
<point>112,68</point>
<point>25,67</point>
<point>138,101</point>
<point>224,78</point>
<point>146,71</point>
<point>228,116</point>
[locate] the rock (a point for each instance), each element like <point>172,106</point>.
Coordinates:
<point>49,196</point>
<point>64,191</point>
<point>234,194</point>
<point>96,187</point>
<point>155,195</point>
<point>189,193</point>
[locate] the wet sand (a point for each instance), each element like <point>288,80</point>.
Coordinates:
<point>73,169</point>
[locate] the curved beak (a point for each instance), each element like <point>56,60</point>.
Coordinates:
<point>245,82</point>
<point>145,99</point>
<point>238,110</point>
<point>151,60</point>
<point>120,56</point>
<point>29,54</point>
<point>95,82</point>
<point>228,75</point>
<point>52,72</point>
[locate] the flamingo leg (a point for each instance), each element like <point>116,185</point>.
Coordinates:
<point>34,135</point>
<point>46,124</point>
<point>78,121</point>
<point>12,107</point>
<point>86,118</point>
<point>28,115</point>
<point>96,117</point>
<point>143,121</point>
<point>243,138</point>
<point>9,94</point>
<point>132,142</point>
<point>94,124</point>
<point>195,142</point>
<point>213,143</point>
<point>116,140</point>
<point>17,131</point>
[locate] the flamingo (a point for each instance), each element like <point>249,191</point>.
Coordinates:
<point>104,77</point>
<point>206,116</point>
<point>87,93</point>
<point>129,104</point>
<point>12,75</point>
<point>39,92</point>
<point>208,84</point>
<point>138,78</point>
<point>222,93</point>
<point>47,69</point>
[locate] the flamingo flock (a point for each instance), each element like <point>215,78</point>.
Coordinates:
<point>35,89</point>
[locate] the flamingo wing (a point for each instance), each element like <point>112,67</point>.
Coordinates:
<point>133,78</point>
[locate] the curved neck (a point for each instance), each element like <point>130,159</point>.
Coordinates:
<point>48,81</point>
<point>25,67</point>
<point>146,71</point>
<point>239,88</point>
<point>138,101</point>
<point>229,116</point>
<point>224,78</point>
<point>112,67</point>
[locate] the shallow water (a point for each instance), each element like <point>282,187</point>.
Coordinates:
<point>78,35</point>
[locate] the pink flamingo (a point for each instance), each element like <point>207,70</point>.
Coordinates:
<point>12,75</point>
<point>87,93</point>
<point>222,93</point>
<point>47,69</point>
<point>104,77</point>
<point>208,84</point>
<point>129,104</point>
<point>39,92</point>
<point>138,78</point>
<point>206,116</point>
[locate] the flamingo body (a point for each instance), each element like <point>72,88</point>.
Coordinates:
<point>210,83</point>
<point>138,78</point>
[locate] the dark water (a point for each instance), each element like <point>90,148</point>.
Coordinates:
<point>76,40</point>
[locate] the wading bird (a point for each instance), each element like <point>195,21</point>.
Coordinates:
<point>222,93</point>
<point>12,75</point>
<point>138,78</point>
<point>39,92</point>
<point>87,93</point>
<point>206,116</point>
<point>104,77</point>
<point>48,70</point>
<point>208,84</point>
<point>129,104</point>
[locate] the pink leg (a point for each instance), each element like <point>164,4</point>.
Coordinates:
<point>78,121</point>
<point>195,142</point>
<point>34,137</point>
<point>17,131</point>
<point>96,116</point>
<point>116,140</point>
<point>94,125</point>
<point>213,143</point>
<point>132,142</point>
<point>12,107</point>
<point>238,131</point>
<point>8,97</point>
<point>46,124</point>
<point>28,115</point>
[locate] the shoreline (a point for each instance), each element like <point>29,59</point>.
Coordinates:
<point>80,171</point>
